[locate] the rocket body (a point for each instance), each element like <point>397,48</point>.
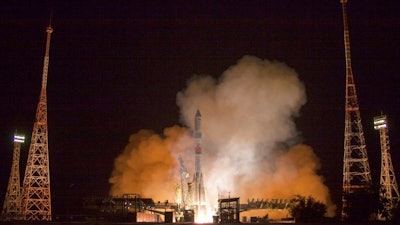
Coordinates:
<point>199,198</point>
<point>197,136</point>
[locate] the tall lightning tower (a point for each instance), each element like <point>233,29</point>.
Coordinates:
<point>356,171</point>
<point>36,199</point>
<point>12,201</point>
<point>389,192</point>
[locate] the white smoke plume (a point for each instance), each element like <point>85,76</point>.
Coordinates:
<point>250,142</point>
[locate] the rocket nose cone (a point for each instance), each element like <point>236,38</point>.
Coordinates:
<point>198,113</point>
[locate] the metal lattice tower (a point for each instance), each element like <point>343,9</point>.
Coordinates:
<point>356,171</point>
<point>186,198</point>
<point>36,199</point>
<point>389,192</point>
<point>12,201</point>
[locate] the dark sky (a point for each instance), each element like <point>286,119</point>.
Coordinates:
<point>116,67</point>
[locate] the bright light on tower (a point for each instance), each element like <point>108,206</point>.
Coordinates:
<point>380,122</point>
<point>19,138</point>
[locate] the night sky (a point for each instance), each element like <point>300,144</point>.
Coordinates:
<point>116,67</point>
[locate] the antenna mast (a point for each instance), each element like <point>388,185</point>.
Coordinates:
<point>356,171</point>
<point>389,192</point>
<point>12,202</point>
<point>36,198</point>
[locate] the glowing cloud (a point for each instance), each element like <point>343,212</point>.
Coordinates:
<point>147,166</point>
<point>251,148</point>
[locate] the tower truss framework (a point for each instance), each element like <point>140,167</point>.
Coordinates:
<point>389,192</point>
<point>356,171</point>
<point>36,198</point>
<point>12,201</point>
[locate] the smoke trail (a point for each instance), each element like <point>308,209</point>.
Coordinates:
<point>249,139</point>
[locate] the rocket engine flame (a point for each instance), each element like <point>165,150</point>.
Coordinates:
<point>251,148</point>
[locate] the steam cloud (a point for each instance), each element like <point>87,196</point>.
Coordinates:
<point>251,147</point>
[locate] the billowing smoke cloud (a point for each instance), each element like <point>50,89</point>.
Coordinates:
<point>247,129</point>
<point>250,144</point>
<point>147,166</point>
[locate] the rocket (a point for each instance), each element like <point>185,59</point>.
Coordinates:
<point>199,198</point>
<point>197,136</point>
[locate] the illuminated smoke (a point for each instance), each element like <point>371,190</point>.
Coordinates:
<point>247,127</point>
<point>250,142</point>
<point>147,166</point>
